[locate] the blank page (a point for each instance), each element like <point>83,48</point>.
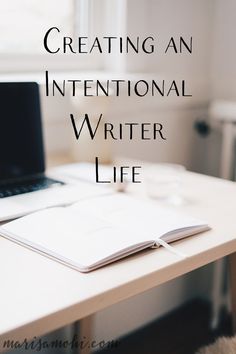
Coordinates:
<point>92,230</point>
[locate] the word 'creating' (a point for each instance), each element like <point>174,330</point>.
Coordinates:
<point>110,44</point>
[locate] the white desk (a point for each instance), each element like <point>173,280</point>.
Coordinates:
<point>39,295</point>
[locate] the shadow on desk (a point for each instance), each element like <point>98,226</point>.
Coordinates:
<point>182,331</point>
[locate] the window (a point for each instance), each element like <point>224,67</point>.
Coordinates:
<point>23,24</point>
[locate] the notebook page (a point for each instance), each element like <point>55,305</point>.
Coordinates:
<point>146,217</point>
<point>93,230</point>
<point>72,235</point>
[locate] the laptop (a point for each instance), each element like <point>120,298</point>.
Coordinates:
<point>22,165</point>
<point>24,186</point>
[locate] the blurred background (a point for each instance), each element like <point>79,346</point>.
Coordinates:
<point>209,71</point>
<point>198,128</point>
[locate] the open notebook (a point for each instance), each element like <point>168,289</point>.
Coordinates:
<point>92,233</point>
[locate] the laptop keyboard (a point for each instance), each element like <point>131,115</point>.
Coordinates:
<point>26,186</point>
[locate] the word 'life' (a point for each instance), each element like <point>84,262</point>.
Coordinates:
<point>119,174</point>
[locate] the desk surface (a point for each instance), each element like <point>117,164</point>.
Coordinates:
<point>39,295</point>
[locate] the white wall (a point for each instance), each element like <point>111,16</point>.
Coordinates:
<point>164,19</point>
<point>222,72</point>
<point>223,59</point>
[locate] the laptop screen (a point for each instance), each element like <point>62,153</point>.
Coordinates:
<point>21,142</point>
